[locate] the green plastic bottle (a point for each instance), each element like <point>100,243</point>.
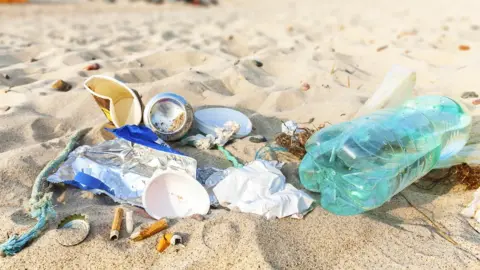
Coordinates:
<point>359,165</point>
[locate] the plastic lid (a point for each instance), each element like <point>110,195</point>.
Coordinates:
<point>173,194</point>
<point>209,119</point>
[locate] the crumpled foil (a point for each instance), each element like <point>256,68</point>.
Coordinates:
<point>122,166</point>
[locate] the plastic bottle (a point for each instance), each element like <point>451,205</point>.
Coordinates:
<point>359,165</point>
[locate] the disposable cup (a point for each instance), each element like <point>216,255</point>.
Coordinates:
<point>118,102</point>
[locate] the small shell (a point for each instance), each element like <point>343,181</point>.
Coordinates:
<point>464,47</point>
<point>60,85</point>
<point>93,66</point>
<point>305,86</point>
<point>72,230</point>
<point>257,63</point>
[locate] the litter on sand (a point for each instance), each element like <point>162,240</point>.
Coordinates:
<point>174,194</point>
<point>72,230</point>
<point>117,101</point>
<point>260,188</point>
<point>222,136</point>
<point>208,120</point>
<point>148,230</point>
<point>349,163</point>
<point>121,168</point>
<point>168,239</point>
<point>116,223</point>
<point>169,115</point>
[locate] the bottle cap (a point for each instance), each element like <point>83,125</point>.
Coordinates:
<point>72,230</point>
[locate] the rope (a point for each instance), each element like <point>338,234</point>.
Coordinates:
<point>40,204</point>
<point>230,157</point>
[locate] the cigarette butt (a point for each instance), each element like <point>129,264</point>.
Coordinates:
<point>176,239</point>
<point>129,221</point>
<point>116,224</point>
<point>156,227</point>
<point>164,242</point>
<point>168,237</point>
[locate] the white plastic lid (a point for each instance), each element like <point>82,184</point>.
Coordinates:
<point>174,194</point>
<point>209,119</point>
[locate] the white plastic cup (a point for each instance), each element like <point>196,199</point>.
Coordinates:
<point>174,194</point>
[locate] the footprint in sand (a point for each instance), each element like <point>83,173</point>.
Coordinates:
<point>141,75</point>
<point>254,74</point>
<point>45,129</point>
<point>221,235</point>
<point>21,218</point>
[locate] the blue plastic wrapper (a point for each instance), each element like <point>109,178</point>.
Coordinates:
<point>121,168</point>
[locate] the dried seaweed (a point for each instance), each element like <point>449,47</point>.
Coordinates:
<point>462,174</point>
<point>466,175</point>
<point>296,144</point>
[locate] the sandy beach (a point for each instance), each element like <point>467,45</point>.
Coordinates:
<point>342,49</point>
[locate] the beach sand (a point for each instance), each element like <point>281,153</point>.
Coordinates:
<point>342,49</point>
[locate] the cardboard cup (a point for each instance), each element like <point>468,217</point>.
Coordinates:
<point>118,102</point>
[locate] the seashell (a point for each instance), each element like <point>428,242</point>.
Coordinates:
<point>93,66</point>
<point>305,86</point>
<point>464,47</point>
<point>72,230</point>
<point>257,63</point>
<point>60,85</point>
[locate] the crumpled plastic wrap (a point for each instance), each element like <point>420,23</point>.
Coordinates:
<point>122,166</point>
<point>260,188</point>
<point>222,136</point>
<point>209,177</point>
